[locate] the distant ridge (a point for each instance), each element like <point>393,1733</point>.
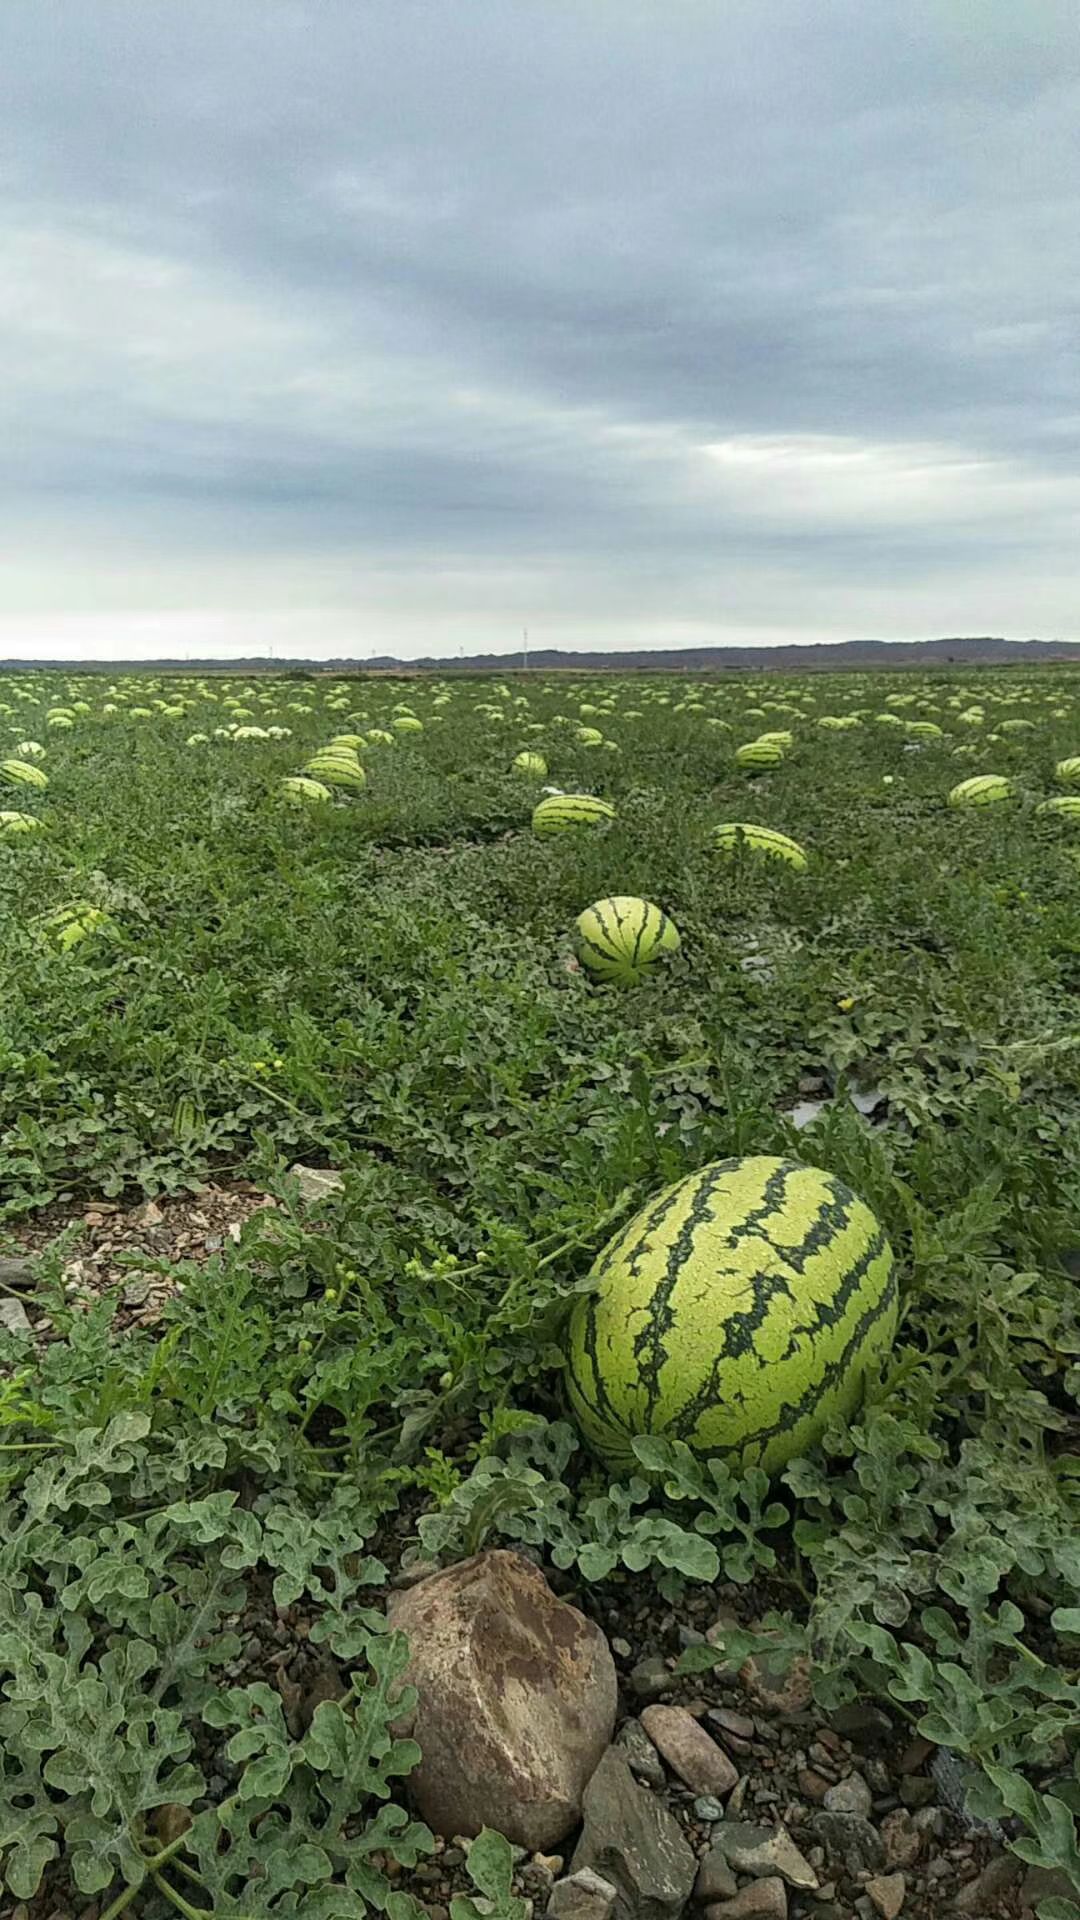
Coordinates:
<point>986,650</point>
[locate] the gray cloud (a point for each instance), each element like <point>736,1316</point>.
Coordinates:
<point>373,325</point>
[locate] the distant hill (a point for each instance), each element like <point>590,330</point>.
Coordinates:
<point>978,651</point>
<point>986,650</point>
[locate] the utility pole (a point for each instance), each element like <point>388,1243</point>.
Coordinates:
<point>525,647</point>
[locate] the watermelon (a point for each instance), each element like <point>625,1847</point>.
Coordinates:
<point>1066,806</point>
<point>562,811</point>
<point>532,765</point>
<point>21,774</point>
<point>982,790</point>
<point>305,792</point>
<point>621,939</point>
<point>740,1311</point>
<point>733,834</point>
<point>759,753</point>
<point>1068,771</point>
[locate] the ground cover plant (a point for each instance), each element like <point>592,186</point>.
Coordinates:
<point>211,971</point>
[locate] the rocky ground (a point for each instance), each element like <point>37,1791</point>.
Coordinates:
<point>726,1795</point>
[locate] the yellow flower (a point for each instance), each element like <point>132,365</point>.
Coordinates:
<point>846,1004</point>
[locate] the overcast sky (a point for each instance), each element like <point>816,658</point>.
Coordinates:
<point>360,326</point>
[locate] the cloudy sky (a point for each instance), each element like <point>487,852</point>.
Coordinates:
<point>359,326</point>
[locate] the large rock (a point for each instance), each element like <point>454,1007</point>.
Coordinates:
<point>516,1700</point>
<point>632,1840</point>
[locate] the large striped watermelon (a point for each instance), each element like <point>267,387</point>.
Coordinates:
<point>759,753</point>
<point>562,811</point>
<point>732,835</point>
<point>740,1311</point>
<point>982,790</point>
<point>621,939</point>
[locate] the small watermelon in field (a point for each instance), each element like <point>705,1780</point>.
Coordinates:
<point>733,834</point>
<point>337,767</point>
<point>20,774</point>
<point>1066,806</point>
<point>561,812</point>
<point>740,1311</point>
<point>758,754</point>
<point>304,792</point>
<point>532,766</point>
<point>1068,771</point>
<point>621,939</point>
<point>982,790</point>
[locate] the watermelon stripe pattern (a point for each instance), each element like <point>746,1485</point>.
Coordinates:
<point>984,790</point>
<point>732,835</point>
<point>759,753</point>
<point>621,938</point>
<point>1066,806</point>
<point>561,812</point>
<point>739,1311</point>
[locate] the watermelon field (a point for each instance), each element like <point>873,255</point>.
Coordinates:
<point>254,925</point>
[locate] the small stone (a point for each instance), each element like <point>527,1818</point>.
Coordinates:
<point>708,1810</point>
<point>863,1723</point>
<point>584,1895</point>
<point>138,1290</point>
<point>621,1649</point>
<point>316,1183</point>
<point>917,1791</point>
<point>631,1839</point>
<point>17,1272</point>
<point>850,1796</point>
<point>851,1840</point>
<point>739,1724</point>
<point>650,1678</point>
<point>789,1691</point>
<point>715,1879</point>
<point>13,1316</point>
<point>737,1799</point>
<point>987,1888</point>
<point>689,1750</point>
<point>888,1892</point>
<point>726,1620</point>
<point>765,1851</point>
<point>901,1839</point>
<point>916,1754</point>
<point>170,1821</point>
<point>150,1215</point>
<point>812,1786</point>
<point>552,1863</point>
<point>760,1900</point>
<point>634,1744</point>
<point>932,1820</point>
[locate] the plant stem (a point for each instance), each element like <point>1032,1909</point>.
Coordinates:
<point>183,1906</point>
<point>153,1866</point>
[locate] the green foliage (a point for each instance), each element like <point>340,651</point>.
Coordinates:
<point>384,984</point>
<point>491,1868</point>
